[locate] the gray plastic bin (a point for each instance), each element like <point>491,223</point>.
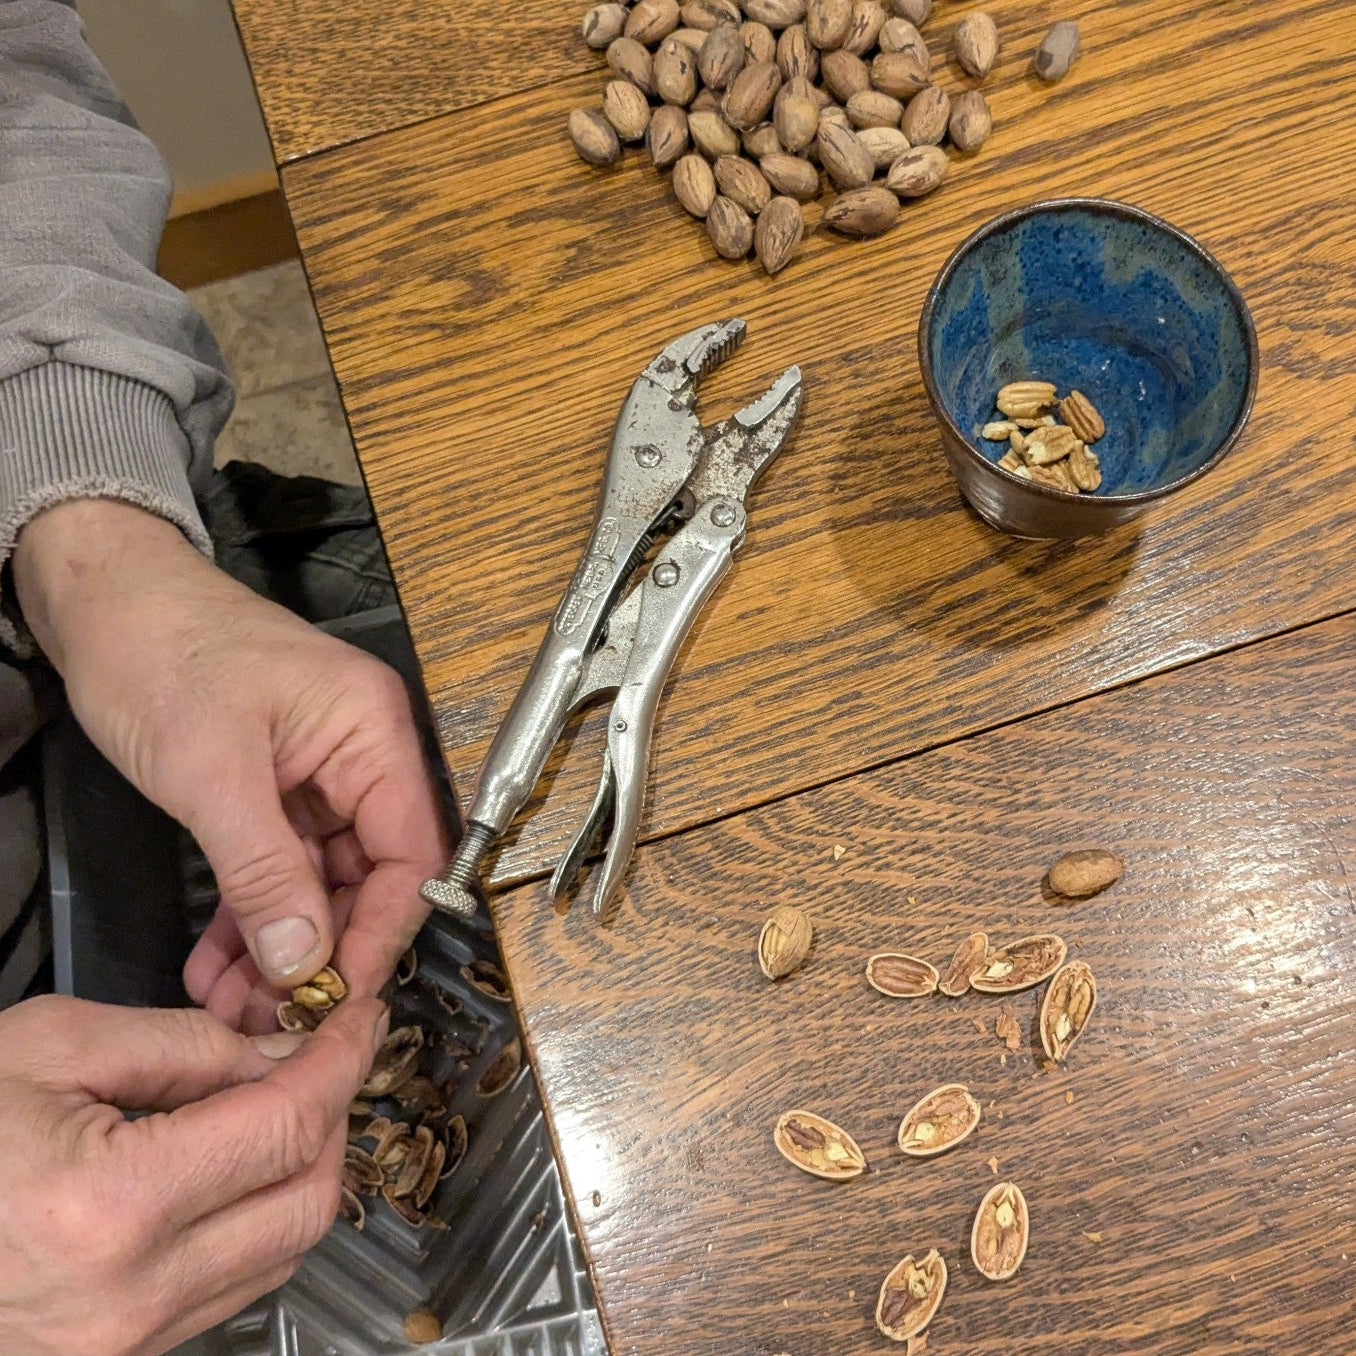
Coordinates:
<point>130,891</point>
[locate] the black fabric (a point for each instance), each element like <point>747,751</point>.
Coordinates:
<point>306,543</point>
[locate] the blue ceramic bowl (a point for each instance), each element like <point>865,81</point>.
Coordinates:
<point>1114,302</point>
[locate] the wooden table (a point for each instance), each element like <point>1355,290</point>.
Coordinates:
<point>885,675</point>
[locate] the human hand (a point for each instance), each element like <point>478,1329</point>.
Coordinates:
<point>124,1237</point>
<point>291,757</point>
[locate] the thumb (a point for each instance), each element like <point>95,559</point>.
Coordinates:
<point>266,876</point>
<point>250,1136</point>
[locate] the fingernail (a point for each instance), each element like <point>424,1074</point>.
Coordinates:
<point>279,1044</point>
<point>383,1026</point>
<point>282,946</point>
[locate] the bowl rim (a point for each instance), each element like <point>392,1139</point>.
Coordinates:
<point>1109,207</point>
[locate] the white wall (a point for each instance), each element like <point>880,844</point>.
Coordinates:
<point>180,66</point>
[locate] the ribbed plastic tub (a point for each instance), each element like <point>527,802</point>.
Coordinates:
<point>507,1275</point>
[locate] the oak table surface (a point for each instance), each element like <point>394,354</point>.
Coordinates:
<point>1210,1144</point>
<point>487,300</point>
<point>331,74</point>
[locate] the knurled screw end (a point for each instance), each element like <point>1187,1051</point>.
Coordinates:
<point>454,891</point>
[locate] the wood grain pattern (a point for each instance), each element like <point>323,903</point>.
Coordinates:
<point>1211,1139</point>
<point>328,75</point>
<point>488,299</point>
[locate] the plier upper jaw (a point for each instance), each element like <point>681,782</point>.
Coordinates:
<point>680,366</point>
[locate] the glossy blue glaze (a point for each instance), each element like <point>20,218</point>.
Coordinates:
<point>1117,306</point>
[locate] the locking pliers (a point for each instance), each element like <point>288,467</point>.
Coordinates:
<point>667,476</point>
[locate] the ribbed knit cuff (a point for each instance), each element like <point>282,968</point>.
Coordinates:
<point>70,432</point>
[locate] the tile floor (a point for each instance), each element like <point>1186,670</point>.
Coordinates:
<point>287,413</point>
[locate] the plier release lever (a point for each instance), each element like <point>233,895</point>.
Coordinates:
<point>667,477</point>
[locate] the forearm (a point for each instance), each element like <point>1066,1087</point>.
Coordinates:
<point>74,562</point>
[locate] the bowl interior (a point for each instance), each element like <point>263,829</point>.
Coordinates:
<point>1103,300</point>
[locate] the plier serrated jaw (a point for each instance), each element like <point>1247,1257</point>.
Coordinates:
<point>680,366</point>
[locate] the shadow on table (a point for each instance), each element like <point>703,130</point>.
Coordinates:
<point>922,555</point>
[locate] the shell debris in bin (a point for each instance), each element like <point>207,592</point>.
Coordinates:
<point>497,1264</point>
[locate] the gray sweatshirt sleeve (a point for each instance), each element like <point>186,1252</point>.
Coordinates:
<point>111,385</point>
